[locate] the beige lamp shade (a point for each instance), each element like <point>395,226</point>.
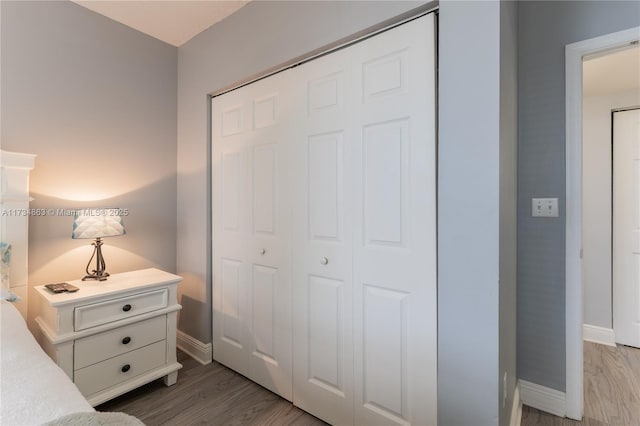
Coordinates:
<point>97,223</point>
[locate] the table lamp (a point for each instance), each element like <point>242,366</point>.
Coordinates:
<point>97,224</point>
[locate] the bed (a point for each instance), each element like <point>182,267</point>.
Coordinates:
<point>33,389</point>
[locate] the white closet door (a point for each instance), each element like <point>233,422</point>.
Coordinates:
<point>395,298</point>
<point>252,225</point>
<point>327,171</point>
<point>230,132</point>
<point>626,227</point>
<point>322,265</point>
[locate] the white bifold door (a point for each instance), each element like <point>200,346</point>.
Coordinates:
<point>251,234</point>
<point>626,227</point>
<point>324,222</point>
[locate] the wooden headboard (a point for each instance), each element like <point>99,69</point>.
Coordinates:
<point>14,218</point>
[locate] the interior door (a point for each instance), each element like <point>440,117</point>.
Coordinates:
<point>322,266</point>
<point>626,227</point>
<point>252,251</point>
<point>395,294</point>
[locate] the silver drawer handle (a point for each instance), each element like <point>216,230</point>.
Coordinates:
<point>262,251</point>
<point>324,260</point>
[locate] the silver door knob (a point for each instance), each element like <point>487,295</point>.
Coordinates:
<point>262,251</point>
<point>324,261</point>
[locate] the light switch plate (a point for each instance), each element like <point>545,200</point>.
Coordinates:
<point>544,207</point>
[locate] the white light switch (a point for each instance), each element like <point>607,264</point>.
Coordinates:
<point>544,207</point>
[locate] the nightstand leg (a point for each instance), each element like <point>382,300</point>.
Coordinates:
<point>170,379</point>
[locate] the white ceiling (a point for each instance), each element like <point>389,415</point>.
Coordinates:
<point>172,21</point>
<point>612,73</point>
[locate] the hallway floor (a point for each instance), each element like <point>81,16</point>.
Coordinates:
<point>611,389</point>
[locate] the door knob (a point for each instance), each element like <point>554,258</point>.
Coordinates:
<point>262,251</point>
<point>324,260</point>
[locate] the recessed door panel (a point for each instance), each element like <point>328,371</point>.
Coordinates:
<point>264,188</point>
<point>264,306</point>
<point>385,352</point>
<point>231,121</point>
<point>265,111</point>
<point>231,292</point>
<point>325,93</point>
<point>325,310</point>
<point>383,76</point>
<point>231,190</point>
<point>385,179</point>
<point>325,177</point>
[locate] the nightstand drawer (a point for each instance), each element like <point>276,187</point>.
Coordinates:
<point>116,370</point>
<point>116,309</point>
<point>96,348</point>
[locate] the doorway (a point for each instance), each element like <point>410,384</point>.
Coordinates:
<point>575,54</point>
<point>610,83</point>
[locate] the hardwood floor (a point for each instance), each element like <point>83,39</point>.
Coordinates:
<point>611,390</point>
<point>208,395</point>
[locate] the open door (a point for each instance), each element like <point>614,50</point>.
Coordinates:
<point>626,227</point>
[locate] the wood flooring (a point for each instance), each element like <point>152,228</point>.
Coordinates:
<point>611,390</point>
<point>208,395</point>
<point>215,395</point>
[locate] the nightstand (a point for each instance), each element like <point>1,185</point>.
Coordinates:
<point>113,336</point>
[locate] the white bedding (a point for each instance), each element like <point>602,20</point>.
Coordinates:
<point>33,389</point>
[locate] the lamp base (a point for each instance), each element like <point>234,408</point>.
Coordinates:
<point>98,274</point>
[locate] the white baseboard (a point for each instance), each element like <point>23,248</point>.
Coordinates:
<point>601,335</point>
<point>199,351</point>
<point>516,408</point>
<point>543,398</point>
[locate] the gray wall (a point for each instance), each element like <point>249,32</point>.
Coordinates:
<point>476,212</point>
<point>544,30</point>
<point>259,36</point>
<point>96,101</point>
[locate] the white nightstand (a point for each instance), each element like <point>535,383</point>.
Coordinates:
<point>113,336</point>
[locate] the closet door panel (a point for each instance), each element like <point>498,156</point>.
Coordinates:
<point>268,249</point>
<point>394,261</point>
<point>230,133</point>
<point>251,215</point>
<point>322,265</point>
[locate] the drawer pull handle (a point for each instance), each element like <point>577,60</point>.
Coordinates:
<point>324,261</point>
<point>126,307</point>
<point>126,340</point>
<point>126,368</point>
